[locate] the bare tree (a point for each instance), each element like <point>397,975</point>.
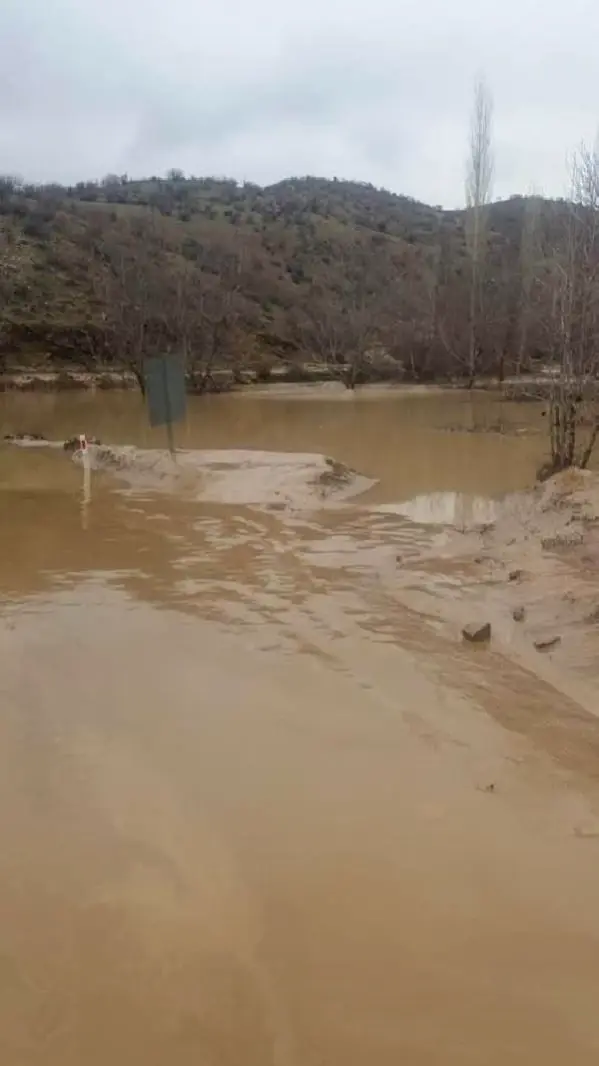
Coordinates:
<point>573,403</point>
<point>156,301</point>
<point>8,269</point>
<point>4,292</point>
<point>133,293</point>
<point>451,310</point>
<point>344,332</point>
<point>217,310</point>
<point>323,330</point>
<point>530,254</point>
<point>183,308</point>
<point>479,177</point>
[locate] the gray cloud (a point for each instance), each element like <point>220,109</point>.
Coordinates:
<point>377,91</point>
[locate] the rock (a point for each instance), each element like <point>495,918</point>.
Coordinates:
<point>515,575</point>
<point>562,540</point>
<point>518,614</point>
<point>547,643</point>
<point>477,632</point>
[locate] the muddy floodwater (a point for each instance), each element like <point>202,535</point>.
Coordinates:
<point>258,808</point>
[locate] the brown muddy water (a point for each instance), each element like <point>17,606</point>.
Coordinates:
<point>254,810</point>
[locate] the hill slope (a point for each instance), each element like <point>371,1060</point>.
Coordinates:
<point>238,274</point>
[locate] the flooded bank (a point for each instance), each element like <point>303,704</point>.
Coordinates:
<point>257,806</point>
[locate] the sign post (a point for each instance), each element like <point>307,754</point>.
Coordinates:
<point>87,480</point>
<point>165,393</point>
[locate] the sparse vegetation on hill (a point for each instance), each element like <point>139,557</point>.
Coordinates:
<point>304,271</point>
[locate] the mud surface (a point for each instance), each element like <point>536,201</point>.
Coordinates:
<point>260,804</point>
<point>232,476</point>
<point>528,565</point>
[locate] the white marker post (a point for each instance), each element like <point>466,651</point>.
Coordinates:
<point>87,480</point>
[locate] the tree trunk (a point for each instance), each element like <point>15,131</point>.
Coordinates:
<point>141,381</point>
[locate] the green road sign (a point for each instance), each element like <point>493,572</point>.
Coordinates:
<point>165,389</point>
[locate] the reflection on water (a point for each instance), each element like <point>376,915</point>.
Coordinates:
<point>244,794</point>
<point>446,509</point>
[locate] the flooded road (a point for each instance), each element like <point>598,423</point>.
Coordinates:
<point>255,811</point>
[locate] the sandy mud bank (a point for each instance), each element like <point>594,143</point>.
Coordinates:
<point>228,476</point>
<point>530,567</point>
<point>234,476</point>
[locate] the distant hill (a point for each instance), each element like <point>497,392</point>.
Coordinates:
<point>252,275</point>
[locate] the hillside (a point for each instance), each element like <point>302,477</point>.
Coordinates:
<point>308,269</point>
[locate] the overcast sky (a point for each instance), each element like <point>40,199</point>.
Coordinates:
<point>375,90</point>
